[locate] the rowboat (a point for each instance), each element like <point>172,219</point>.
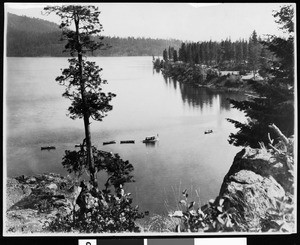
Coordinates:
<point>127,142</point>
<point>48,148</point>
<point>109,142</point>
<point>208,131</point>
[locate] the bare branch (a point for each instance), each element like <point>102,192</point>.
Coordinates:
<point>279,133</point>
<point>274,148</point>
<point>269,137</point>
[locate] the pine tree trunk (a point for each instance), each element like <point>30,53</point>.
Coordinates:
<point>90,159</point>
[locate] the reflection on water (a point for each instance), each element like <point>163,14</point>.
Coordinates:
<point>202,97</point>
<point>151,144</point>
<point>146,104</point>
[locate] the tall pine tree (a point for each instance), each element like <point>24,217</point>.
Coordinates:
<point>254,53</point>
<point>82,78</point>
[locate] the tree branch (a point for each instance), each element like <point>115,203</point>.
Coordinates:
<point>279,133</point>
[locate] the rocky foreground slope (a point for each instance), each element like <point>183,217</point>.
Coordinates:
<point>31,202</point>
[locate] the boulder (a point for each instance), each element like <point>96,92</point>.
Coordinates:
<point>33,200</point>
<point>261,162</point>
<point>252,186</point>
<point>252,195</point>
<point>15,192</point>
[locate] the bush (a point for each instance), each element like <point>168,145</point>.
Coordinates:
<point>102,212</point>
<point>158,64</point>
<point>280,218</point>
<point>212,217</point>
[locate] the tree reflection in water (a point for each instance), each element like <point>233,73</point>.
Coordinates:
<point>203,97</point>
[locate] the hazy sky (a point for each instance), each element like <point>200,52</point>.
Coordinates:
<point>194,22</point>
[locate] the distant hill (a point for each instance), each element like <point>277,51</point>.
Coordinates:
<point>31,37</point>
<point>33,25</point>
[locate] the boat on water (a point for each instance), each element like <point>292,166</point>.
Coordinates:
<point>208,131</point>
<point>150,139</point>
<point>109,142</point>
<point>127,142</point>
<point>48,148</point>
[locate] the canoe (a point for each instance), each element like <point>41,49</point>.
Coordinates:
<point>127,142</point>
<point>109,142</point>
<point>48,148</point>
<point>208,131</point>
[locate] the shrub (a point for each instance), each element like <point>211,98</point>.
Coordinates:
<point>212,217</point>
<point>103,212</point>
<point>280,218</point>
<point>158,64</point>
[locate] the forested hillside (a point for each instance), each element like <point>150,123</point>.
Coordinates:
<point>35,37</point>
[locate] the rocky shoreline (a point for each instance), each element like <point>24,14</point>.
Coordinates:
<point>204,76</point>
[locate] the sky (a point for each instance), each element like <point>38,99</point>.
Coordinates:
<point>183,21</point>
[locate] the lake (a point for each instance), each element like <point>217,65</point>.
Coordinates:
<point>146,104</point>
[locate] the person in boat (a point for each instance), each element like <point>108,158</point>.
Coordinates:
<point>151,138</point>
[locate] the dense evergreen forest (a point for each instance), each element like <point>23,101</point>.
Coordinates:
<point>29,37</point>
<point>237,55</point>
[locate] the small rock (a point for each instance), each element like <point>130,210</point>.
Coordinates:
<point>52,186</point>
<point>26,189</point>
<point>246,177</point>
<point>31,180</point>
<point>49,177</point>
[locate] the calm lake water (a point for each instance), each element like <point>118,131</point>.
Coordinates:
<point>146,104</point>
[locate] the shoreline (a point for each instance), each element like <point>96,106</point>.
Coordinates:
<point>204,76</point>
